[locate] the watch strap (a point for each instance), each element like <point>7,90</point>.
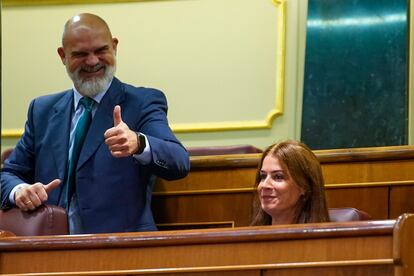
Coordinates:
<point>142,142</point>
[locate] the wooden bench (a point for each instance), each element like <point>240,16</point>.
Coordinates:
<point>349,248</point>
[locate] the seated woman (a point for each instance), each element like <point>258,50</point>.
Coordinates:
<point>290,186</point>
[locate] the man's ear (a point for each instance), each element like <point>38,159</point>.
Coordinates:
<point>114,43</point>
<point>62,55</point>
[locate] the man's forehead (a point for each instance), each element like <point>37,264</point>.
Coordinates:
<point>81,29</point>
<point>86,34</point>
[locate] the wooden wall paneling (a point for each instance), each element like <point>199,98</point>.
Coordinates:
<point>256,272</point>
<point>358,177</point>
<point>204,208</point>
<point>366,270</point>
<point>210,179</point>
<point>218,209</point>
<point>373,171</point>
<point>373,200</point>
<point>402,198</point>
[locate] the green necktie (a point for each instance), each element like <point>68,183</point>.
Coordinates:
<point>80,134</point>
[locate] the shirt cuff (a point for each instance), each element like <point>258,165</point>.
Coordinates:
<point>15,189</point>
<point>145,157</point>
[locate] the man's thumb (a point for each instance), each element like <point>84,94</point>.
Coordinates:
<point>52,185</point>
<point>117,115</point>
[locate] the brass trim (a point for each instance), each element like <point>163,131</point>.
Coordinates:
<point>344,263</point>
<point>19,3</point>
<point>410,88</point>
<point>252,189</point>
<point>216,126</point>
<point>11,133</point>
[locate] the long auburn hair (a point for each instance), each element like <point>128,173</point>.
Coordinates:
<point>305,169</point>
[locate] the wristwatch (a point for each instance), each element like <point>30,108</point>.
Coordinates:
<point>142,142</point>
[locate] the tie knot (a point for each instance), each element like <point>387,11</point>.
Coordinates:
<point>87,103</point>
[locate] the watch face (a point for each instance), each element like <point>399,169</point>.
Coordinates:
<point>142,142</point>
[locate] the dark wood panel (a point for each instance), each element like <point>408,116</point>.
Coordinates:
<point>363,270</point>
<point>402,199</point>
<point>372,200</point>
<point>359,172</point>
<point>236,207</point>
<point>213,178</point>
<point>255,272</point>
<point>194,210</point>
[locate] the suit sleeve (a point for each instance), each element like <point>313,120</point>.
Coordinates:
<point>170,159</point>
<point>19,167</point>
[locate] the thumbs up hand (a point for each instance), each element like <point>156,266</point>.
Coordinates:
<point>117,115</point>
<point>120,140</point>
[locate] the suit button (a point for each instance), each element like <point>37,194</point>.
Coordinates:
<point>161,162</point>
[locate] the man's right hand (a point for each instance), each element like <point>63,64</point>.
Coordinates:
<point>31,197</point>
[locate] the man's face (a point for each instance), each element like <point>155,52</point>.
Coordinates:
<point>89,57</point>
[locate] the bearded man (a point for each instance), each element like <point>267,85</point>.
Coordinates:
<point>96,148</point>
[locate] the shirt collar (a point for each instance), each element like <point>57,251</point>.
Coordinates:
<point>97,98</point>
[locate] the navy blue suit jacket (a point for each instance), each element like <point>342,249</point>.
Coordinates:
<point>114,194</point>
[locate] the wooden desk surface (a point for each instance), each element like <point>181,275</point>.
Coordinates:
<point>324,156</point>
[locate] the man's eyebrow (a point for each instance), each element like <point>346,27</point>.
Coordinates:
<point>105,47</point>
<point>77,52</point>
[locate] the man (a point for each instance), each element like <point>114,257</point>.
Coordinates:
<point>96,148</point>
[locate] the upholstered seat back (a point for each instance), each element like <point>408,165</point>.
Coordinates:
<point>5,154</point>
<point>45,220</point>
<point>347,214</point>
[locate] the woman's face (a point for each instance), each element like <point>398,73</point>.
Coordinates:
<point>278,191</point>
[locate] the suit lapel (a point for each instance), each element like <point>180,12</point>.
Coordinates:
<point>102,120</point>
<point>60,142</point>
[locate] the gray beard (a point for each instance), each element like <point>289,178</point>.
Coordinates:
<point>92,87</point>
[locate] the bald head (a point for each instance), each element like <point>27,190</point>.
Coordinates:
<point>89,53</point>
<point>85,22</point>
